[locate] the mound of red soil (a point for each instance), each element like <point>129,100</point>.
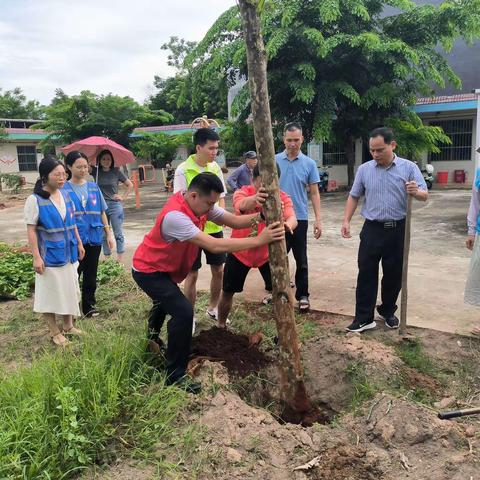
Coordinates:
<point>239,357</point>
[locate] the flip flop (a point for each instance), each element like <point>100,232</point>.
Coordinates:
<point>475,331</point>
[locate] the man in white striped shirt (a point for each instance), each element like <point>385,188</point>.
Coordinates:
<point>385,182</point>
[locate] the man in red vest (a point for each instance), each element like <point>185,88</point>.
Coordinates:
<point>167,254</point>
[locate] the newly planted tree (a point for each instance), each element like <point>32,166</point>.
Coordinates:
<point>291,369</point>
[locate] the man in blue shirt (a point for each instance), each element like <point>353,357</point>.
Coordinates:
<point>385,181</point>
<point>243,175</point>
<point>298,173</point>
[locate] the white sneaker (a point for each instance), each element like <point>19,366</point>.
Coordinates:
<point>213,314</point>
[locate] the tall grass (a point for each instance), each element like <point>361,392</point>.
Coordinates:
<point>65,411</point>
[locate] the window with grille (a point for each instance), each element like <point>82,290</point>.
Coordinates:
<point>27,158</point>
<point>460,132</point>
<point>334,154</point>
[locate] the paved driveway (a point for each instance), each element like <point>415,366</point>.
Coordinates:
<point>438,259</point>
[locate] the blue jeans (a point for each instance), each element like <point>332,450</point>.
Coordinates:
<point>115,219</point>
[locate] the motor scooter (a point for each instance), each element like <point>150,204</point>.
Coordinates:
<point>323,174</point>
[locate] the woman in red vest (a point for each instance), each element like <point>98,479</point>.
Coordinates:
<point>167,254</point>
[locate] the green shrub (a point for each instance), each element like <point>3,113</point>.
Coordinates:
<point>108,270</point>
<point>17,276</point>
<point>13,181</point>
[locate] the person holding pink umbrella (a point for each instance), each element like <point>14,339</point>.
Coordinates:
<point>108,178</point>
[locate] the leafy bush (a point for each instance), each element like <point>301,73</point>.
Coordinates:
<point>17,276</point>
<point>108,270</point>
<point>12,181</point>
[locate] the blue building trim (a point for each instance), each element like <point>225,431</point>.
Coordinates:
<point>446,107</point>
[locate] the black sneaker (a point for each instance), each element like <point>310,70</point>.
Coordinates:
<point>390,322</point>
<point>187,384</point>
<point>361,326</point>
<point>92,313</point>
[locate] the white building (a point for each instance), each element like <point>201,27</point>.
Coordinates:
<point>458,115</point>
<point>19,151</point>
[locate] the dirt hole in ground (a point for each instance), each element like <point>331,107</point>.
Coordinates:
<point>243,360</point>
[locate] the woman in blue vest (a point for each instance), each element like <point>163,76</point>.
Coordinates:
<point>90,208</point>
<point>56,247</point>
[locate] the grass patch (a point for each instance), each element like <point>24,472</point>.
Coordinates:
<point>363,389</point>
<point>98,401</point>
<point>69,410</point>
<point>414,356</point>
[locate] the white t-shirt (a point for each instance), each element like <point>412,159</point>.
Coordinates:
<point>178,226</point>
<point>180,181</point>
<point>31,212</point>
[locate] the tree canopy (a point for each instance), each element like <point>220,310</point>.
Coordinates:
<point>341,67</point>
<point>14,104</point>
<point>70,118</point>
<point>189,93</point>
<point>160,148</point>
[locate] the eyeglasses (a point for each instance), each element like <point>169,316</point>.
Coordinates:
<point>250,154</point>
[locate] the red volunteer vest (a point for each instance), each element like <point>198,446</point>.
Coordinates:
<point>154,254</point>
<point>253,257</point>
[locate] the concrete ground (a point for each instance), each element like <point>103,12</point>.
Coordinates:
<point>438,257</point>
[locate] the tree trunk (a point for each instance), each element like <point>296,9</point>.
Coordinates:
<point>350,154</point>
<point>293,387</point>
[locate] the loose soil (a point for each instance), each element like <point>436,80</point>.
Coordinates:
<point>233,350</point>
<point>387,437</point>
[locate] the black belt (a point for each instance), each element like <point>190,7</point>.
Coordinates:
<point>388,223</point>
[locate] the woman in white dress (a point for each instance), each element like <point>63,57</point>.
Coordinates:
<point>56,247</point>
<point>472,288</point>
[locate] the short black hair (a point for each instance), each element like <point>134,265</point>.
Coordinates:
<point>203,135</point>
<point>290,127</point>
<point>256,171</point>
<point>205,183</point>
<point>384,132</point>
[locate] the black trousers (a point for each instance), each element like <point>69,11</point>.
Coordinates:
<point>379,244</point>
<point>168,299</point>
<point>298,244</point>
<point>88,266</point>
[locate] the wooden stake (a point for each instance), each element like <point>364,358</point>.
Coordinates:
<point>406,252</point>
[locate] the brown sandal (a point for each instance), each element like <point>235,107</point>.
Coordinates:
<point>59,339</point>
<point>73,331</point>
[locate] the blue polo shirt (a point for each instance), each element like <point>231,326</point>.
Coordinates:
<point>295,175</point>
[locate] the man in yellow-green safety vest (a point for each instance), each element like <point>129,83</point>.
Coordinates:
<point>206,141</point>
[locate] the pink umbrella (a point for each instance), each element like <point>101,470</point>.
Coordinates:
<point>92,146</point>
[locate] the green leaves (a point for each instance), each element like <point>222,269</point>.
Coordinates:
<point>17,276</point>
<point>14,104</point>
<point>87,114</point>
<point>329,10</point>
<point>307,70</point>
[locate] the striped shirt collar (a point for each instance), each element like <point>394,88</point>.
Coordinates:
<point>394,162</point>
